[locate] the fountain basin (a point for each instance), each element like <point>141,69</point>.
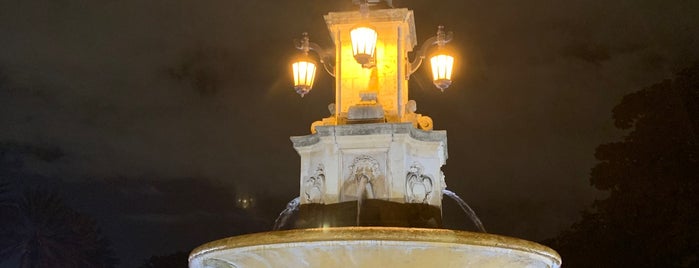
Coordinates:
<point>372,247</point>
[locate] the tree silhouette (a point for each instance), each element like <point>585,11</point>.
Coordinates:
<point>650,216</point>
<point>40,230</point>
<point>174,260</point>
<point>8,220</point>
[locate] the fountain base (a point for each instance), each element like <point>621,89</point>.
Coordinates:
<point>373,212</point>
<point>372,247</point>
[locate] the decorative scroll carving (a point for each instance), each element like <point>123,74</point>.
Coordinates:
<point>418,186</point>
<point>419,121</point>
<point>314,125</point>
<point>314,186</point>
<point>424,122</point>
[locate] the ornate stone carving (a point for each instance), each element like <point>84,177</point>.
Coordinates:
<point>419,121</point>
<point>411,107</point>
<point>418,186</point>
<point>364,180</point>
<point>424,122</point>
<point>328,121</point>
<point>314,125</point>
<point>331,109</point>
<point>314,186</point>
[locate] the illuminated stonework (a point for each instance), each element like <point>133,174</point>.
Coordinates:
<point>314,186</point>
<point>396,28</point>
<point>374,160</point>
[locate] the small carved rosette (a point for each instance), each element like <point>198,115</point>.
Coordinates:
<point>418,186</point>
<point>314,186</point>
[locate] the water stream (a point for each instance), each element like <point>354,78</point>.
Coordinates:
<point>361,190</point>
<point>291,207</point>
<point>467,209</point>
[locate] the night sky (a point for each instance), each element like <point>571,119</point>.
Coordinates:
<point>154,117</point>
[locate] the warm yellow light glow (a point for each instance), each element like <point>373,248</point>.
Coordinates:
<point>304,74</point>
<point>442,66</point>
<point>363,44</point>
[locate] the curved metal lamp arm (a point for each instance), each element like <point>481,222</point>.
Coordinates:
<point>323,54</point>
<point>440,39</point>
<point>420,55</point>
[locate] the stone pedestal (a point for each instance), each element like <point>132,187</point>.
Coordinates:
<point>392,162</point>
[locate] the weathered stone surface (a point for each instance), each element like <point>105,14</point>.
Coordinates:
<point>386,161</point>
<point>387,78</point>
<point>379,247</point>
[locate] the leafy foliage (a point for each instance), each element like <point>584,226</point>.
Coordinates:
<point>40,230</point>
<point>650,217</point>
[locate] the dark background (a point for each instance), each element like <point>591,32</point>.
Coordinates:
<point>155,117</point>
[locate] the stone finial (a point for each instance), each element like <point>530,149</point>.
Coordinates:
<point>411,106</point>
<point>331,108</point>
<point>418,120</point>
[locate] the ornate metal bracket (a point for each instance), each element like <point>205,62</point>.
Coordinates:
<point>440,40</point>
<point>304,44</point>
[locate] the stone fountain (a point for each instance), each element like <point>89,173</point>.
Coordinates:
<point>371,182</point>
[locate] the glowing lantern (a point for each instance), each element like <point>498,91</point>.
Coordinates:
<point>363,44</point>
<point>304,73</point>
<point>442,65</point>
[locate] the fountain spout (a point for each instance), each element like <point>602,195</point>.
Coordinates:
<point>291,207</point>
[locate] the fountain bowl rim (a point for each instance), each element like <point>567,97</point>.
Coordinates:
<point>377,234</point>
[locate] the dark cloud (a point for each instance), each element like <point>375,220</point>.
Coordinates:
<point>207,69</point>
<point>592,53</point>
<point>19,152</point>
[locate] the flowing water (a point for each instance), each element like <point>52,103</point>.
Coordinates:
<point>291,207</point>
<point>361,189</point>
<point>467,209</point>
